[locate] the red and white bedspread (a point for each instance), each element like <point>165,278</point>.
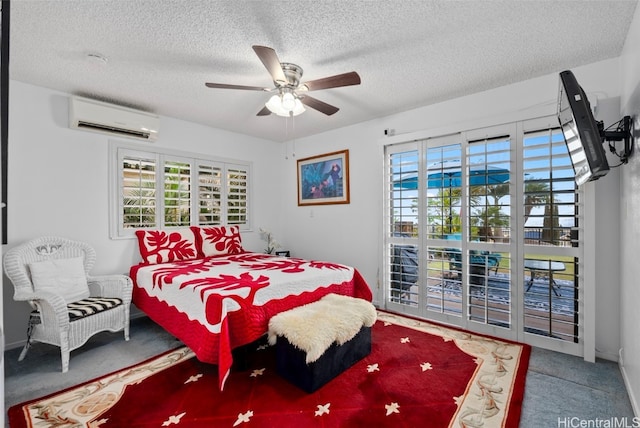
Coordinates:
<point>216,304</point>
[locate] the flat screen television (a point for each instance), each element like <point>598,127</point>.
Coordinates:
<point>582,133</point>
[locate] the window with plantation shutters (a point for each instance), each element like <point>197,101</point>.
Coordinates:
<point>237,177</point>
<point>168,190</point>
<point>138,196</point>
<point>209,194</point>
<point>177,193</point>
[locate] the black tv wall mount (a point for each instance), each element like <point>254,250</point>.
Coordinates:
<point>621,132</point>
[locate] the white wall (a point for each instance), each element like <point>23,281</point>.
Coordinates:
<point>607,238</point>
<point>629,219</point>
<point>341,233</point>
<point>352,233</point>
<point>58,183</point>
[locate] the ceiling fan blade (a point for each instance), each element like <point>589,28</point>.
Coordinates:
<point>345,79</point>
<point>270,60</point>
<point>247,88</point>
<point>264,112</point>
<point>316,104</point>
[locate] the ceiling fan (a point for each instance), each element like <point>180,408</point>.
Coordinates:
<point>291,92</point>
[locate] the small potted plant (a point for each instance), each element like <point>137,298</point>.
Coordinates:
<point>272,244</point>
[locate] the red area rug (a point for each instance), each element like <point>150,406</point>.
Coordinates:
<point>418,374</point>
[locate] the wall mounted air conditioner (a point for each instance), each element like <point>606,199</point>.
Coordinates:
<point>98,116</point>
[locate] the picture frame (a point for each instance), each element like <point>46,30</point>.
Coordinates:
<point>324,179</point>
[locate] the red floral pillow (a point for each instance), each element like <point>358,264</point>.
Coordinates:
<point>219,240</point>
<point>161,246</point>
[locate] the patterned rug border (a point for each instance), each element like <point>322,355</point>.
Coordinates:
<point>499,379</point>
<point>32,413</point>
<point>490,385</point>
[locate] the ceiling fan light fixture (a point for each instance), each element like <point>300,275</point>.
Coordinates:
<point>288,101</point>
<point>298,108</point>
<point>285,105</point>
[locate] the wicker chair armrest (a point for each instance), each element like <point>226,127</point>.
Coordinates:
<point>52,307</point>
<point>119,286</point>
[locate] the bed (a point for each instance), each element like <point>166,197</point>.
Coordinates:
<point>202,287</point>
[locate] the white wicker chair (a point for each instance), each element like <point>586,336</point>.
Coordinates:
<point>50,321</point>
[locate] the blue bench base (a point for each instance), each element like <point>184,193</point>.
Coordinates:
<point>291,362</point>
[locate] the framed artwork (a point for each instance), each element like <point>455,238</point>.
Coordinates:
<point>324,179</point>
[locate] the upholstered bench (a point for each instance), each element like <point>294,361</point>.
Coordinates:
<point>316,342</point>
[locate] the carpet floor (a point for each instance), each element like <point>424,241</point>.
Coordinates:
<point>409,373</point>
<point>557,387</point>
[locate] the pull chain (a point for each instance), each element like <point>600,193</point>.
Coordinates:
<point>293,133</point>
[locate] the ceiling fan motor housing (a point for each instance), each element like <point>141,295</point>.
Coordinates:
<point>293,73</point>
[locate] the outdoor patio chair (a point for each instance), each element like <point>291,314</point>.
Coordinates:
<point>480,262</point>
<point>69,306</point>
<point>404,269</point>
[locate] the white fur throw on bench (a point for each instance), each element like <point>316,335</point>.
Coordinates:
<point>312,328</point>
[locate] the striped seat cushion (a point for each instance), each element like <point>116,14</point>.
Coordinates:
<point>84,308</point>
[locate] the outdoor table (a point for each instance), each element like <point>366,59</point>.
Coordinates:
<point>539,267</point>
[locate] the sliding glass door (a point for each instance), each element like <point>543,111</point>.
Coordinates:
<point>482,232</point>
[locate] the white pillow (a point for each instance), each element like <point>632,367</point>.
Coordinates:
<point>65,277</point>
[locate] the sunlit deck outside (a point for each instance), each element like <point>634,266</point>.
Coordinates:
<point>545,312</point>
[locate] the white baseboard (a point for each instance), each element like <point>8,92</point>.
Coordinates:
<point>610,356</point>
<point>13,345</point>
<point>632,397</point>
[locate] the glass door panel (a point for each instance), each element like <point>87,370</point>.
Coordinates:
<point>444,282</point>
<point>402,221</point>
<point>488,178</point>
<point>551,239</point>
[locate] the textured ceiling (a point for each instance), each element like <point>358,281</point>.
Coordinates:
<point>408,53</point>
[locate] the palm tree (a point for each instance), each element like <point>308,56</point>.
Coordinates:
<point>491,217</point>
<point>139,206</point>
<point>485,201</point>
<point>536,193</point>
<point>497,192</point>
<point>551,223</point>
<point>443,206</point>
